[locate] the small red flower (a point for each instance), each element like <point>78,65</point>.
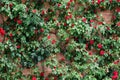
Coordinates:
<point>55,78</point>
<point>48,37</point>
<point>118,24</point>
<point>41,30</point>
<point>46,79</point>
<point>91,42</point>
<point>11,5</point>
<point>99,46</point>
<point>53,41</point>
<point>68,4</point>
<point>11,35</point>
<point>84,20</point>
<point>19,21</point>
<point>34,78</point>
<point>91,20</point>
<point>58,4</point>
<point>98,1</point>
<point>34,10</point>
<point>115,73</point>
<point>90,53</point>
<point>43,12</point>
<point>2,31</point>
<point>42,74</point>
<point>46,19</point>
<point>118,0</point>
<point>67,39</point>
<point>110,1</point>
<point>18,46</point>
<point>116,62</point>
<point>71,1</point>
<point>102,52</point>
<point>67,7</point>
<point>65,24</point>
<point>117,9</point>
<point>72,25</point>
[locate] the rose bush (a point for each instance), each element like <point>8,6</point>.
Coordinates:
<point>86,32</point>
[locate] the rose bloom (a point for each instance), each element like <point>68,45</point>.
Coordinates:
<point>99,46</point>
<point>91,42</point>
<point>34,78</point>
<point>102,52</point>
<point>19,21</point>
<point>2,31</point>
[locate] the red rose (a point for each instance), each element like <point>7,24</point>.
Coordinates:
<point>42,74</point>
<point>99,46</point>
<point>84,20</point>
<point>55,78</point>
<point>68,4</point>
<point>116,62</point>
<point>10,5</point>
<point>53,41</point>
<point>98,1</point>
<point>71,0</point>
<point>11,35</point>
<point>118,24</point>
<point>91,42</point>
<point>110,1</point>
<point>67,39</point>
<point>115,73</point>
<point>34,10</point>
<point>91,20</point>
<point>118,0</point>
<point>18,46</point>
<point>58,4</point>
<point>72,25</point>
<point>65,24</point>
<point>41,30</point>
<point>2,31</point>
<point>46,19</point>
<point>48,37</point>
<point>34,78</point>
<point>117,9</point>
<point>90,53</point>
<point>46,79</point>
<point>19,21</point>
<point>114,77</point>
<point>62,59</point>
<point>102,52</point>
<point>66,17</point>
<point>43,12</point>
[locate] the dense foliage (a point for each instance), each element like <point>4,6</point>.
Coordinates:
<point>89,40</point>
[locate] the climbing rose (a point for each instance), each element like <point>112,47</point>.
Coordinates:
<point>99,46</point>
<point>42,74</point>
<point>34,78</point>
<point>53,41</point>
<point>34,10</point>
<point>41,30</point>
<point>10,34</point>
<point>2,31</point>
<point>46,79</point>
<point>84,20</point>
<point>118,0</point>
<point>102,52</point>
<point>118,24</point>
<point>115,75</point>
<point>91,42</point>
<point>98,1</point>
<point>19,21</point>
<point>48,37</point>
